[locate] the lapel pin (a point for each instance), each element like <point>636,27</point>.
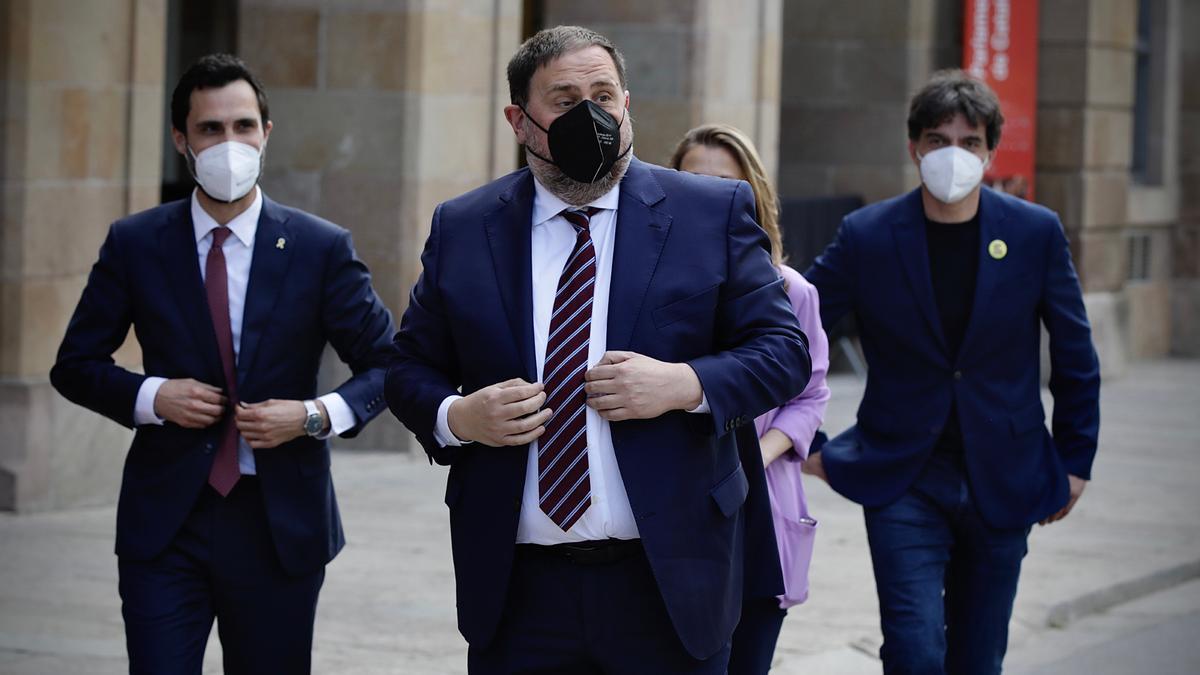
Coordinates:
<point>997,249</point>
<point>280,243</point>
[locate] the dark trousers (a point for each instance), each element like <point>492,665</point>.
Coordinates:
<point>220,565</point>
<point>568,618</point>
<point>946,579</point>
<point>755,637</point>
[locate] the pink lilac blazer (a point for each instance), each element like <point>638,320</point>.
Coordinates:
<point>799,419</point>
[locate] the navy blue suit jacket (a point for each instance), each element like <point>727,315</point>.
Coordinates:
<point>691,282</point>
<point>878,268</point>
<point>311,291</point>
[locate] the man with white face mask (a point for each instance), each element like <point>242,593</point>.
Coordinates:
<point>950,457</point>
<point>227,508</point>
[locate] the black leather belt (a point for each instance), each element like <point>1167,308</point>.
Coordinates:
<point>600,552</point>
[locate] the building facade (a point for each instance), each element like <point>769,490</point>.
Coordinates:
<point>383,108</point>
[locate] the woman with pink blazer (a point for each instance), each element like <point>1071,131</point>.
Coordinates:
<point>785,433</point>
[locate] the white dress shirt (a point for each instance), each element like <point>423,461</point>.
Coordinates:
<point>609,516</point>
<point>239,252</point>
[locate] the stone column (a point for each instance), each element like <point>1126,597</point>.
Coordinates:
<point>691,63</point>
<point>382,109</point>
<point>849,69</point>
<point>80,147</point>
<point>1085,103</point>
<point>1185,306</point>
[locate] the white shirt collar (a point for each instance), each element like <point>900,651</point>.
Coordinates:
<point>546,206</point>
<point>244,225</point>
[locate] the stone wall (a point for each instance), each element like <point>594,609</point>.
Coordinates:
<point>690,63</point>
<point>848,71</point>
<point>382,109</point>
<point>81,147</point>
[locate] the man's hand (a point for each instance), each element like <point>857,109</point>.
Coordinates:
<point>774,444</point>
<point>502,414</point>
<point>630,386</point>
<point>1077,486</point>
<point>189,403</point>
<point>272,422</point>
<point>814,467</point>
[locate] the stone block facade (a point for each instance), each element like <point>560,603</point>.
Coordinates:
<point>383,108</point>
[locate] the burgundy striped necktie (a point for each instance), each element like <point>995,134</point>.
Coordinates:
<point>225,471</point>
<point>563,480</point>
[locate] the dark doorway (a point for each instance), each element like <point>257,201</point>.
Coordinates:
<point>193,30</point>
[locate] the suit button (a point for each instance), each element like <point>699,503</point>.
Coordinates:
<point>958,374</point>
<point>208,448</point>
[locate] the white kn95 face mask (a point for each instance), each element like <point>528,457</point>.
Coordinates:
<point>227,171</point>
<point>951,173</point>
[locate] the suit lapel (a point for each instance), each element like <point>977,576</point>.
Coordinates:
<point>177,243</point>
<point>991,227</point>
<point>913,250</point>
<point>509,233</point>
<point>268,270</point>
<point>641,233</point>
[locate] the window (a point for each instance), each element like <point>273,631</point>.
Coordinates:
<point>1149,93</point>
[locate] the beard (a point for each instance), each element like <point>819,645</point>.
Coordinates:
<point>564,187</point>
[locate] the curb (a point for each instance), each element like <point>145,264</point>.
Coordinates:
<point>1062,614</point>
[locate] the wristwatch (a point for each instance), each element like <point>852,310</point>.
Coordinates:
<point>314,422</point>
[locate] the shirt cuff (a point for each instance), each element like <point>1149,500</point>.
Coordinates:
<point>143,407</point>
<point>703,407</point>
<point>442,433</point>
<point>341,417</point>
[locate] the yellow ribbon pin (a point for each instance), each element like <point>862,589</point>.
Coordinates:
<point>997,249</point>
<point>280,243</point>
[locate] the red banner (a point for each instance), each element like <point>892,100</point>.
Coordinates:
<point>1000,48</point>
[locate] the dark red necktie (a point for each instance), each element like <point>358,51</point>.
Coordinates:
<point>563,480</point>
<point>225,472</point>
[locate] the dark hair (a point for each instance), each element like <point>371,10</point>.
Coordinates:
<point>549,44</point>
<point>948,93</point>
<point>214,70</point>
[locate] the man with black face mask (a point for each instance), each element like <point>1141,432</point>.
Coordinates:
<point>587,347</point>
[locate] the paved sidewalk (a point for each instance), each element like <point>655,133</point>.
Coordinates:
<point>388,601</point>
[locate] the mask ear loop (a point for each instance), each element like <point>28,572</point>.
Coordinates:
<point>544,130</point>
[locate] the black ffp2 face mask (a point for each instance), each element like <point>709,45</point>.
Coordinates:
<point>585,142</point>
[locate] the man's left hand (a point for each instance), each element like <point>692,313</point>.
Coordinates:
<point>270,423</point>
<point>630,386</point>
<point>1077,486</point>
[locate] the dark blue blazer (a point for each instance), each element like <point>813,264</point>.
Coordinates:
<point>878,268</point>
<point>310,292</point>
<point>691,282</point>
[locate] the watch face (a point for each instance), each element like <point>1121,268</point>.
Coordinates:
<point>313,424</point>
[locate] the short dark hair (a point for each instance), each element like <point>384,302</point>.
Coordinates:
<point>214,70</point>
<point>549,44</point>
<point>948,93</point>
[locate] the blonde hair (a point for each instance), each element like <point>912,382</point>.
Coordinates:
<point>742,149</point>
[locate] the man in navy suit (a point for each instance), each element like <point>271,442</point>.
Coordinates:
<point>951,284</point>
<point>227,507</point>
<point>590,339</point>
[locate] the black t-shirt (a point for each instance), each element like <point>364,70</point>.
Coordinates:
<point>953,266</point>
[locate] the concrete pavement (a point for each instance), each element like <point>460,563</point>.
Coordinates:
<point>388,601</point>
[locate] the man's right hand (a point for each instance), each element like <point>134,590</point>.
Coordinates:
<point>813,466</point>
<point>189,403</point>
<point>502,414</point>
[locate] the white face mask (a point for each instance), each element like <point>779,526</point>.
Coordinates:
<point>951,173</point>
<point>227,171</point>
